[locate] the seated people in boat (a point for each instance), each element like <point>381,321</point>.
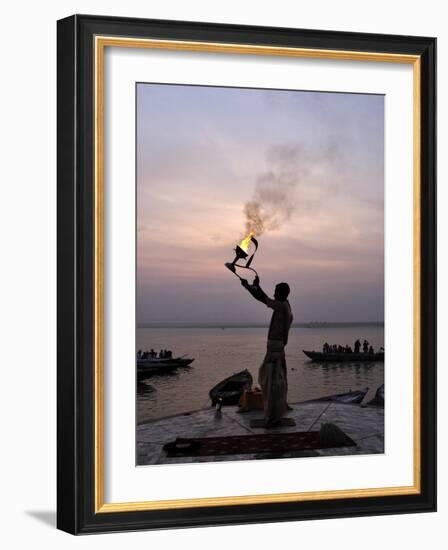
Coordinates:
<point>365,346</point>
<point>357,346</point>
<point>139,354</point>
<point>169,354</point>
<point>371,351</point>
<point>326,348</point>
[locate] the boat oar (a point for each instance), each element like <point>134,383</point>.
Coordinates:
<point>320,415</point>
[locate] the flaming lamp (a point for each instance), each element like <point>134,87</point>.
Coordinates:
<point>241,251</point>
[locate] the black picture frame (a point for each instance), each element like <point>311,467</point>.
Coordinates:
<point>76,511</point>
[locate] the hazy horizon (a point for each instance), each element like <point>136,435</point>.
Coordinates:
<point>311,324</point>
<point>204,152</point>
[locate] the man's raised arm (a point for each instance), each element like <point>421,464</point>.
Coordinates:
<point>255,289</point>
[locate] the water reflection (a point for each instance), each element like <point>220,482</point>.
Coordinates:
<point>343,364</point>
<point>145,390</point>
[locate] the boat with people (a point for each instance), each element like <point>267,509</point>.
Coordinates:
<point>350,397</point>
<point>230,390</point>
<point>344,357</point>
<point>346,354</point>
<point>151,365</point>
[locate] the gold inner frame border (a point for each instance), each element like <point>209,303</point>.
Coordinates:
<point>100,43</point>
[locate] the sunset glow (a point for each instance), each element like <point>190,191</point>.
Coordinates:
<point>315,161</point>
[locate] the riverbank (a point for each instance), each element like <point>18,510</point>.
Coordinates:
<point>364,425</point>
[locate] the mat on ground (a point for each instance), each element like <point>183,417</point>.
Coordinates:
<point>329,436</point>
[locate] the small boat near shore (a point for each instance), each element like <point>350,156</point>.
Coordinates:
<point>354,397</point>
<point>321,357</point>
<point>231,388</point>
<point>146,367</point>
<point>378,400</point>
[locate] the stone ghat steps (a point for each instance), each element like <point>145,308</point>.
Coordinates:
<point>365,425</point>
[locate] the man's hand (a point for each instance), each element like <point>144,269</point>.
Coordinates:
<point>245,283</point>
<point>255,290</point>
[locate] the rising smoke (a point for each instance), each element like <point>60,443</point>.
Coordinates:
<point>275,195</point>
<point>297,178</point>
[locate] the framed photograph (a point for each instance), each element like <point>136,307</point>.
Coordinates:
<point>246,274</point>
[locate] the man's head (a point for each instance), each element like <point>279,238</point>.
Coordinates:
<point>281,291</point>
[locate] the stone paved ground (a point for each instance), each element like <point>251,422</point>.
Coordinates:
<point>365,425</point>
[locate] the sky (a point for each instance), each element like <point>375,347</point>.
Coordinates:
<point>315,163</point>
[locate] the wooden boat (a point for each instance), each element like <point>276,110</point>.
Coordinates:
<point>353,397</point>
<point>231,389</point>
<point>321,357</point>
<point>378,400</point>
<point>146,367</point>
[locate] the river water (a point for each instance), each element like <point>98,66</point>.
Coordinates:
<point>220,352</point>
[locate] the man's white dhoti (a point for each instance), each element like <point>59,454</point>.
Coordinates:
<point>272,378</point>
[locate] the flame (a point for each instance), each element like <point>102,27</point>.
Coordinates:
<point>244,244</point>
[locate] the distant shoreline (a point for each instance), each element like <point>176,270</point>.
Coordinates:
<point>310,325</point>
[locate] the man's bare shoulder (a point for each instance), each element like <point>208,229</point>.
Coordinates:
<point>278,305</point>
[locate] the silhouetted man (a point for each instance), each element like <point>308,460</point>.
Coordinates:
<point>272,375</point>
